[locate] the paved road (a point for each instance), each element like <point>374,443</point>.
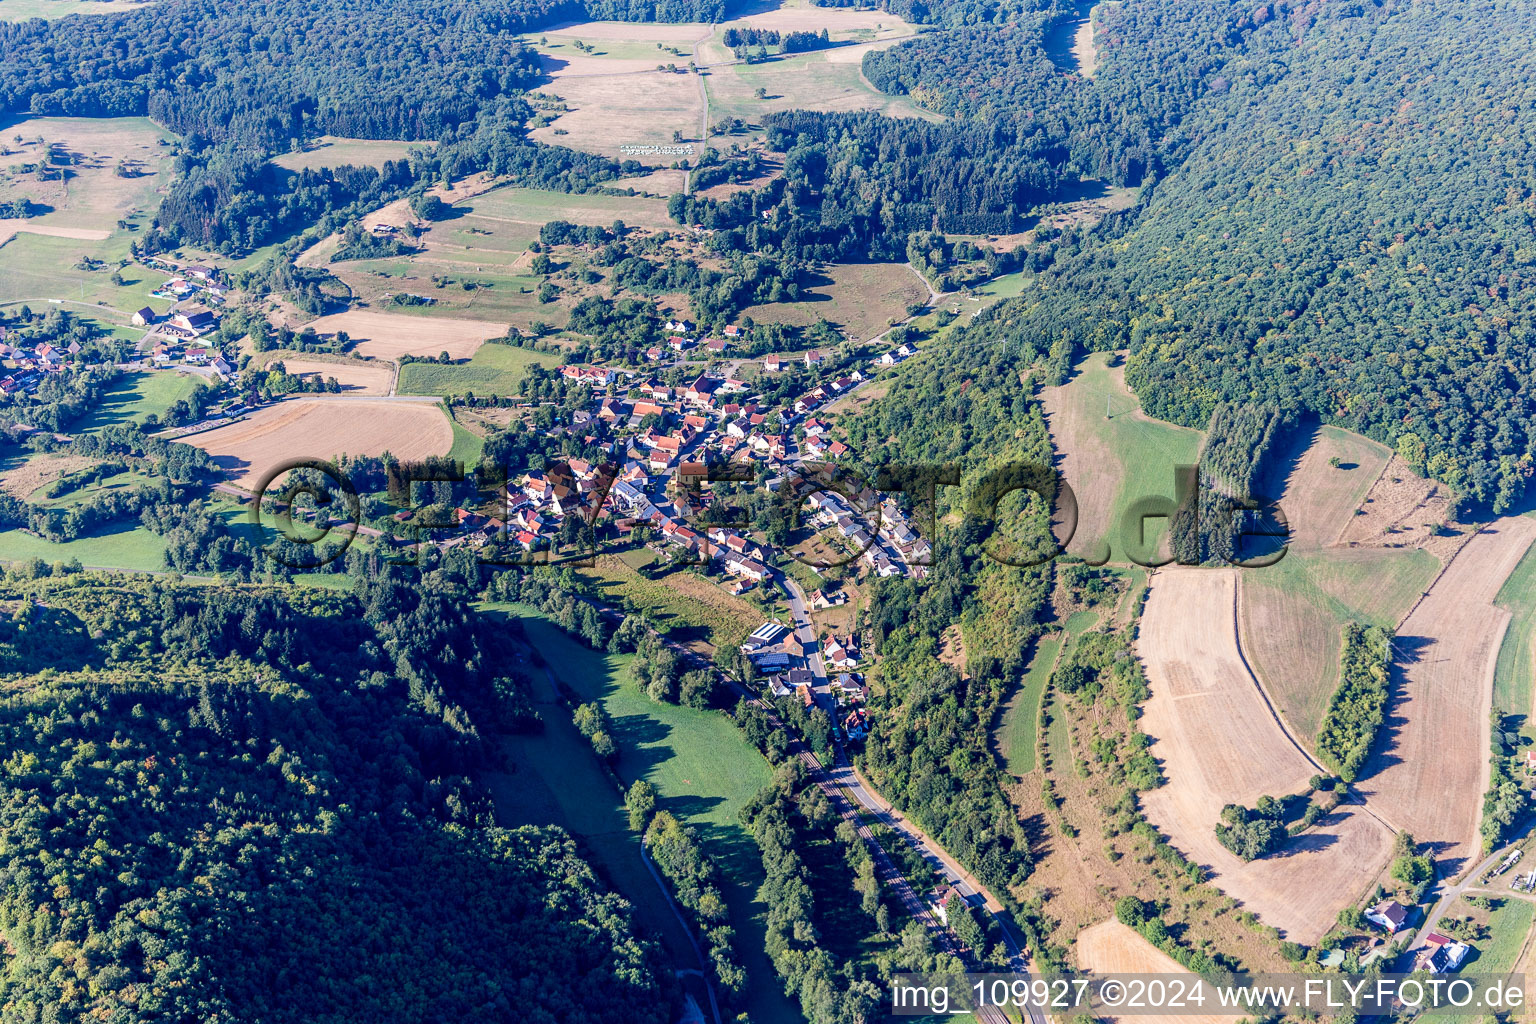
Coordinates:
<point>1469,881</point>
<point>843,779</point>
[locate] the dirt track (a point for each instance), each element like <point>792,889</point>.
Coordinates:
<point>1219,743</point>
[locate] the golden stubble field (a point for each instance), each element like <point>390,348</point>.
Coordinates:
<point>379,335</point>
<point>1430,768</point>
<point>356,376</point>
<point>321,428</point>
<point>1110,947</point>
<point>1219,743</point>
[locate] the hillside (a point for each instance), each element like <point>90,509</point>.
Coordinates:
<point>227,805</point>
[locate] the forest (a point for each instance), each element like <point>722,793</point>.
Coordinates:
<point>245,803</point>
<point>1402,313</point>
<point>1224,518</point>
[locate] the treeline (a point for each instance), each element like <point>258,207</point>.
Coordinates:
<point>1225,504</point>
<point>951,265</point>
<point>301,767</point>
<point>855,185</point>
<point>370,70</point>
<point>171,467</point>
<point>1146,918</point>
<point>1359,704</point>
<point>696,883</point>
<point>786,819</point>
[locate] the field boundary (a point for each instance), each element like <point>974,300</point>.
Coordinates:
<point>1353,798</point>
<point>1444,568</point>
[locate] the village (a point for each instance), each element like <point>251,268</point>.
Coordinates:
<point>657,444</point>
<point>169,340</point>
<point>663,443</point>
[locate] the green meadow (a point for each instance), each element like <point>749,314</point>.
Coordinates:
<point>704,772</point>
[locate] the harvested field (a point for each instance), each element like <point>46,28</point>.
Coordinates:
<point>9,226</point>
<point>1219,743</point>
<point>663,183</point>
<point>1110,452</point>
<point>635,108</point>
<point>354,375</point>
<point>1319,498</point>
<point>322,428</point>
<point>1431,766</point>
<point>1110,947</point>
<point>1292,616</point>
<point>378,335</point>
<point>24,477</point>
<point>1403,510</point>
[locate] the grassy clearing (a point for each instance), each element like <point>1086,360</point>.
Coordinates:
<point>92,210</point>
<point>1005,287</point>
<point>1508,926</point>
<point>1114,454</point>
<point>334,151</point>
<point>493,370</point>
<point>860,298</point>
<point>36,268</point>
<point>137,395</point>
<point>130,480</point>
<point>21,10</point>
<point>690,609</point>
<point>653,48</point>
<point>704,772</point>
<point>467,445</point>
<point>90,192</point>
<point>1294,614</point>
<point>1021,716</point>
<point>1515,673</point>
<point>540,206</point>
<point>824,80</point>
<point>475,262</point>
<point>132,548</point>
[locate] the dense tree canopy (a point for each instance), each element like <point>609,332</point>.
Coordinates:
<point>239,804</point>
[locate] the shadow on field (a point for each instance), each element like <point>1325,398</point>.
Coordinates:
<point>1406,650</point>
